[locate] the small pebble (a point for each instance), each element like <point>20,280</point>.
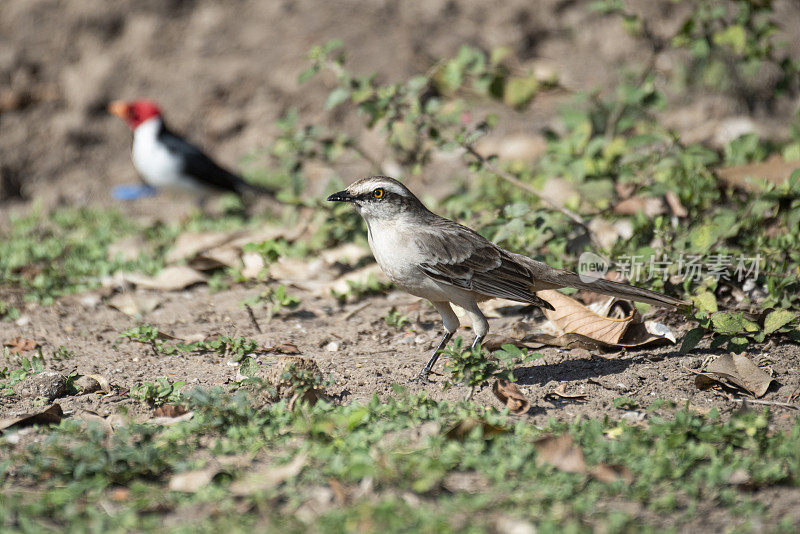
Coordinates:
<point>332,347</point>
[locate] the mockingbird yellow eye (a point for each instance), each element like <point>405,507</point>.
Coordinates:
<point>378,193</point>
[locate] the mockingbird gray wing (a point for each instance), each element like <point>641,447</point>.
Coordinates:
<point>463,258</point>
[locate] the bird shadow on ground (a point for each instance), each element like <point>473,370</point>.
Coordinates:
<point>569,370</point>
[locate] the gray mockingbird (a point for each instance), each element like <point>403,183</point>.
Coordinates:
<point>447,263</point>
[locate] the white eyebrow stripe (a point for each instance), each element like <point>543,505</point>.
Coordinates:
<point>369,186</point>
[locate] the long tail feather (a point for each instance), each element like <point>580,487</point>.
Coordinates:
<point>546,277</point>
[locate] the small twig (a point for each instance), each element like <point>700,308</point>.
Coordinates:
<point>355,310</point>
<point>766,403</point>
<point>253,318</point>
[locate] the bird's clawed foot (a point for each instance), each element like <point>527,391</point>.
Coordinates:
<point>422,378</point>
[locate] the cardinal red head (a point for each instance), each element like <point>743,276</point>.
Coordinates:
<point>134,112</point>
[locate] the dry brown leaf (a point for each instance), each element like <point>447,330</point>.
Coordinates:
<point>561,452</point>
<point>311,396</point>
<point>737,370</point>
<point>509,394</point>
<point>269,477</point>
<point>169,421</point>
<point>50,414</point>
<point>675,204</point>
<point>222,256</point>
<point>133,304</point>
<point>649,206</point>
<point>339,491</point>
<point>105,386</point>
<point>561,391</point>
<point>193,481</point>
<point>170,410</point>
<point>611,473</point>
<point>190,244</point>
<point>92,417</point>
<point>172,278</point>
<point>287,347</point>
<point>461,429</point>
<point>578,326</point>
<point>120,494</point>
<point>572,317</point>
<point>774,169</point>
<point>20,344</point>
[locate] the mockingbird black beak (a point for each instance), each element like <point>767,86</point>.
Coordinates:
<point>341,196</point>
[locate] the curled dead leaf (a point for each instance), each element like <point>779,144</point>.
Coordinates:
<point>560,391</point>
<point>560,452</point>
<point>269,476</point>
<point>675,205</point>
<point>774,169</point>
<point>50,414</point>
<point>462,429</point>
<point>575,325</point>
<point>611,473</point>
<point>193,481</point>
<point>172,278</point>
<point>649,206</point>
<point>169,421</point>
<point>170,410</point>
<point>287,347</point>
<point>93,417</point>
<point>509,394</point>
<point>133,304</point>
<point>18,345</point>
<point>737,370</point>
<point>105,386</point>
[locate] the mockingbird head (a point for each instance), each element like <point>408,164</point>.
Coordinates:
<point>380,197</point>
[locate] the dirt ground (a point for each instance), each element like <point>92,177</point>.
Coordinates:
<point>353,344</point>
<point>224,72</point>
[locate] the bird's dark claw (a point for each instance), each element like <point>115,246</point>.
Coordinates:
<point>422,378</point>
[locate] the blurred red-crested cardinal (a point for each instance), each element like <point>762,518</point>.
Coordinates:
<point>166,160</point>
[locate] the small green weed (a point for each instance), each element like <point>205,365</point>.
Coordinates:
<point>474,367</point>
<point>158,392</point>
<point>27,367</point>
<point>226,346</point>
<point>395,319</point>
<point>273,299</point>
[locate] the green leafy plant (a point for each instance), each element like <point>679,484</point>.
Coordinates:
<point>159,392</point>
<point>62,353</point>
<point>625,403</point>
<point>735,329</point>
<point>27,367</point>
<point>227,347</point>
<point>301,381</point>
<point>473,366</point>
<point>395,319</point>
<point>8,312</point>
<point>273,299</point>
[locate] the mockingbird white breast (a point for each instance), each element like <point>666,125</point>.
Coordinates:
<point>442,261</point>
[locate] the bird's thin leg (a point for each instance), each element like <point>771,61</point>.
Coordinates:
<point>478,340</point>
<point>423,376</point>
